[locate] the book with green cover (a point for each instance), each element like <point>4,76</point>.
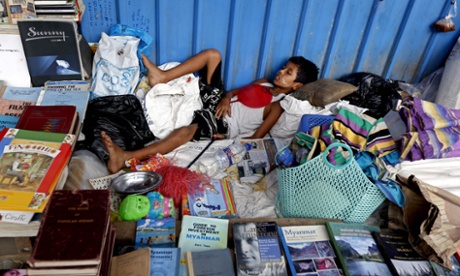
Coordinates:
<point>357,249</point>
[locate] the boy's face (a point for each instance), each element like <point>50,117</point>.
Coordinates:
<point>285,78</point>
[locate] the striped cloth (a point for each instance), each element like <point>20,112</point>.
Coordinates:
<point>432,131</point>
<point>359,131</point>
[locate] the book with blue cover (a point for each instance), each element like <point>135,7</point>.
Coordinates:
<point>77,98</point>
<point>308,250</point>
<point>29,94</point>
<point>164,261</point>
<point>258,250</point>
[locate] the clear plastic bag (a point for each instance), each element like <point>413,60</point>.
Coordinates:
<point>446,24</point>
<point>83,166</point>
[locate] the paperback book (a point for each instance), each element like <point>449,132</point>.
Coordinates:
<point>356,249</point>
<point>52,50</point>
<point>308,250</point>
<point>31,164</point>
<point>136,262</point>
<point>165,261</point>
<point>258,250</point>
<point>156,233</point>
<point>200,234</point>
<point>13,68</point>
<point>29,94</point>
<point>53,97</point>
<point>399,254</point>
<point>210,262</point>
<point>216,201</point>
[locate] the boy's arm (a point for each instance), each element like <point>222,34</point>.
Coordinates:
<point>272,117</point>
<point>223,108</point>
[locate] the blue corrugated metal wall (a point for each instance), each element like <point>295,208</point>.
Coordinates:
<point>392,38</point>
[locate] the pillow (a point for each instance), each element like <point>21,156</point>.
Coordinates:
<point>323,91</point>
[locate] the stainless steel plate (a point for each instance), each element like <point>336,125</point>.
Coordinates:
<point>136,182</point>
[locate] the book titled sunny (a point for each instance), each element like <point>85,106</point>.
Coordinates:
<point>30,165</point>
<point>51,47</point>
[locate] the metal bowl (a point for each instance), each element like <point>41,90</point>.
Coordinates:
<point>136,182</point>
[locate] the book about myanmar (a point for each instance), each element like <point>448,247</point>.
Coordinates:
<point>200,234</point>
<point>308,250</point>
<point>357,249</point>
<point>74,229</point>
<point>51,47</point>
<point>258,250</point>
<point>31,164</point>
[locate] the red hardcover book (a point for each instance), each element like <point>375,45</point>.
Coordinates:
<point>57,118</point>
<point>31,163</point>
<point>74,229</point>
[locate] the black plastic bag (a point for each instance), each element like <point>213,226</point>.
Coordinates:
<point>374,93</point>
<point>122,118</point>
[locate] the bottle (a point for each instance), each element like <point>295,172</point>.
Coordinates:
<point>223,159</point>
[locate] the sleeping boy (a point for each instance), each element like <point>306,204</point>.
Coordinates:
<point>250,111</point>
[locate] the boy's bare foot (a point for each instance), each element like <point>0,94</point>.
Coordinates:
<point>154,74</point>
<point>117,156</point>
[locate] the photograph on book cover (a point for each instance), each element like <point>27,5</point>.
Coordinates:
<point>30,165</point>
<point>308,250</point>
<point>257,249</point>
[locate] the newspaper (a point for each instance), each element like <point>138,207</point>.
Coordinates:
<point>259,160</point>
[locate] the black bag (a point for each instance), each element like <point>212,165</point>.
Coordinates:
<point>122,118</point>
<point>374,93</point>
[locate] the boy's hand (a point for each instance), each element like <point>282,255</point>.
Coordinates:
<point>223,108</point>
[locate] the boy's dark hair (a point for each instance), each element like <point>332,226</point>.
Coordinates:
<point>307,72</point>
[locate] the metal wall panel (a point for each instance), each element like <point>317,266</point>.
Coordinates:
<point>392,38</point>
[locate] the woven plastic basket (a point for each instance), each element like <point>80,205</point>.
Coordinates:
<point>319,189</point>
<point>309,121</point>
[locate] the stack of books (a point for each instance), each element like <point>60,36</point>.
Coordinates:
<point>67,9</point>
<point>75,236</point>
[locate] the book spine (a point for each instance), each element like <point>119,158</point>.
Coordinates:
<point>189,263</point>
<point>286,251</point>
<point>383,251</point>
<point>334,243</point>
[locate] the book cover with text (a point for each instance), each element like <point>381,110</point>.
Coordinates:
<point>200,234</point>
<point>357,249</point>
<point>308,250</point>
<point>51,47</point>
<point>258,250</point>
<point>31,163</point>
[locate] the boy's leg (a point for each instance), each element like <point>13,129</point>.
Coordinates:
<point>118,156</point>
<point>208,59</point>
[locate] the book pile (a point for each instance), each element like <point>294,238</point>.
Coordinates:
<point>66,9</point>
<point>75,236</point>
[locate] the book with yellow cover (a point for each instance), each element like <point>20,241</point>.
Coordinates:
<point>30,165</point>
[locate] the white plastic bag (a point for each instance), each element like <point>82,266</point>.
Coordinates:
<point>116,66</point>
<point>449,88</point>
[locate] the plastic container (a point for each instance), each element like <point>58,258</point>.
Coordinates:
<point>223,159</point>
